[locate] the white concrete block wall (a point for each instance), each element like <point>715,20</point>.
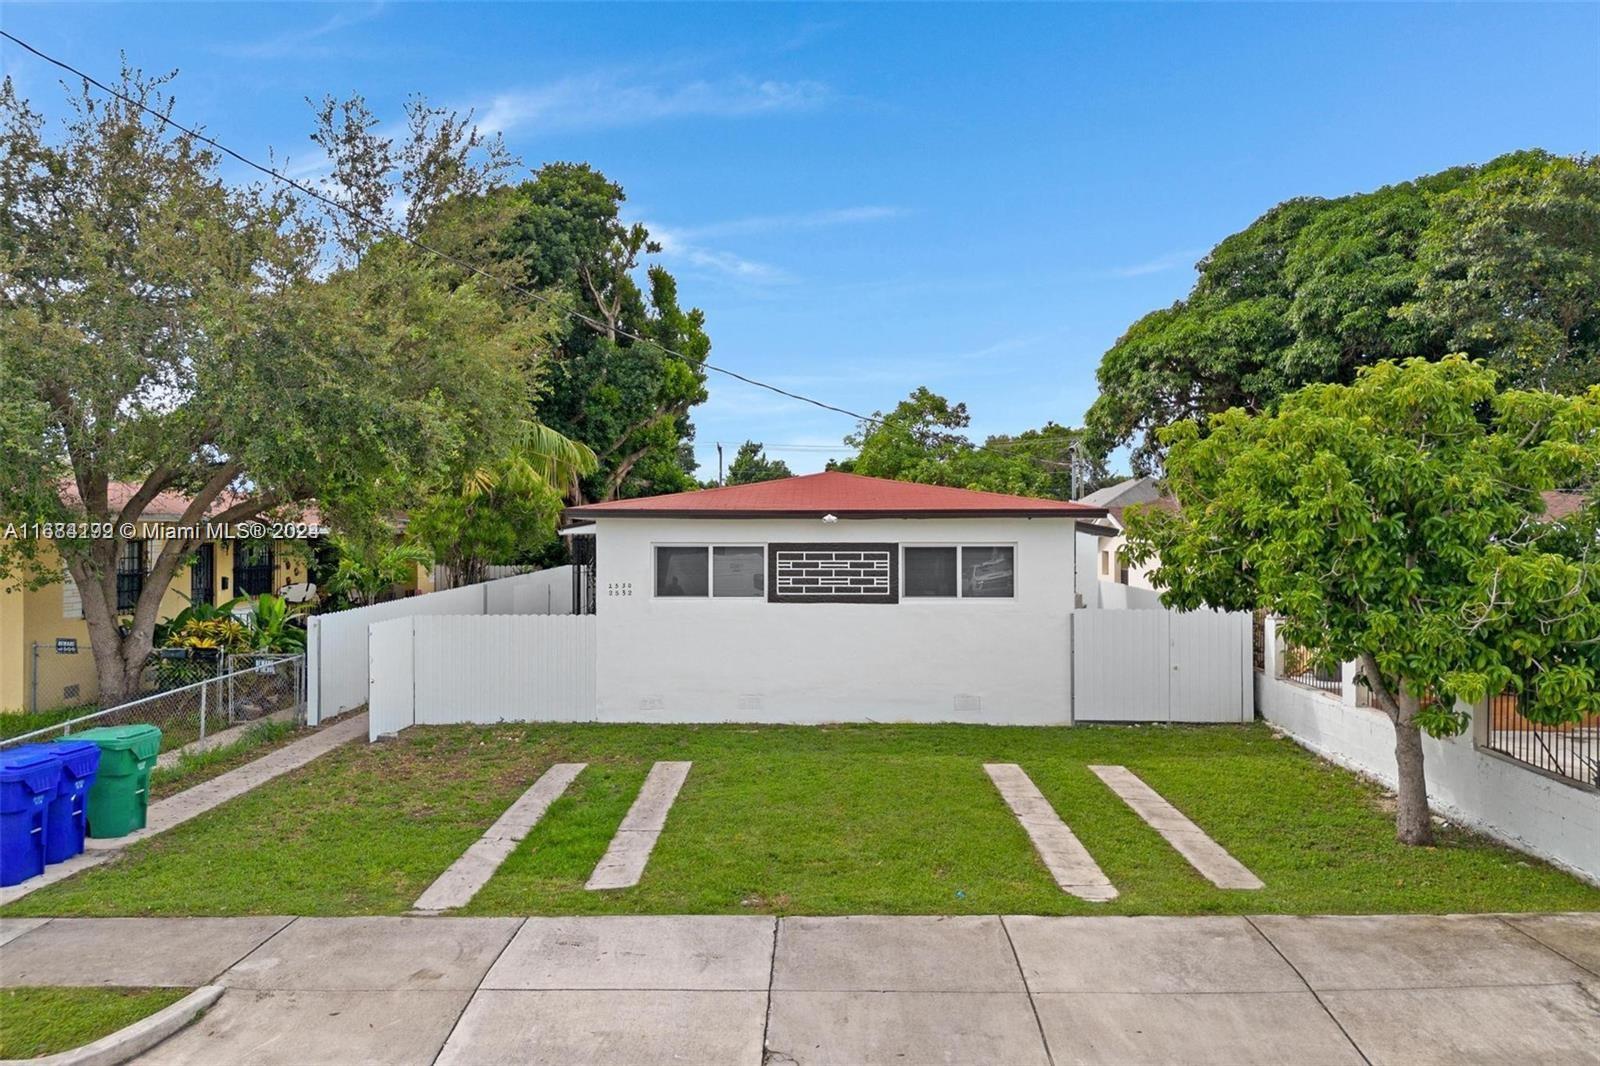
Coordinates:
<point>1537,813</point>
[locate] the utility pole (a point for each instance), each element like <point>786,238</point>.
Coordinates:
<point>719,464</point>
<point>1077,463</point>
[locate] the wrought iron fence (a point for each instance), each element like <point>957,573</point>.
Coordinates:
<point>1571,751</point>
<point>248,687</point>
<point>1299,668</point>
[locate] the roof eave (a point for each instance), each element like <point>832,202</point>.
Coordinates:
<point>590,514</point>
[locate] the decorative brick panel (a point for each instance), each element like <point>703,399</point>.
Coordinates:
<point>833,573</point>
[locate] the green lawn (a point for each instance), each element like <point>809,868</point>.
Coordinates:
<point>829,820</point>
<point>16,723</point>
<point>43,1021</point>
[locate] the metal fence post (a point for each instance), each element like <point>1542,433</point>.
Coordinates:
<point>203,686</point>
<point>33,695</point>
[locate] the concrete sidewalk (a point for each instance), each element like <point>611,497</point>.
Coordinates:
<point>754,990</point>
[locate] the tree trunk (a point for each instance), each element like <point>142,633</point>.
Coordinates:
<point>1412,823</point>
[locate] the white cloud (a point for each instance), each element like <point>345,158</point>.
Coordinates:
<point>609,98</point>
<point>680,248</point>
<point>841,216</point>
<point>1160,264</point>
<point>685,244</point>
<point>305,43</point>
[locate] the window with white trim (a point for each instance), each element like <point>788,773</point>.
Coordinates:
<point>971,571</point>
<point>717,571</point>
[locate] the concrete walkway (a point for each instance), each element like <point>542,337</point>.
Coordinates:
<point>861,990</point>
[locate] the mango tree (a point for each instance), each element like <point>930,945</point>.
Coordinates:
<point>1398,522</point>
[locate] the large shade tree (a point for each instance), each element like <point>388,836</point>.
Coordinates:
<point>922,439</point>
<point>1397,522</point>
<point>627,399</point>
<point>1500,261</point>
<point>165,327</point>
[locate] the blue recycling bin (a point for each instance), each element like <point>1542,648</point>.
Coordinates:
<point>66,822</point>
<point>29,781</point>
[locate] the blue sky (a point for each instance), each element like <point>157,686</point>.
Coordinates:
<point>867,199</point>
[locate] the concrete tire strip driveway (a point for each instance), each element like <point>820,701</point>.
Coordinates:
<point>457,885</point>
<point>1209,858</point>
<point>629,852</point>
<point>193,802</point>
<point>1064,855</point>
<point>751,990</point>
<point>1071,864</point>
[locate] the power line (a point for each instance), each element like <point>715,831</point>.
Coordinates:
<point>384,225</point>
<point>537,297</point>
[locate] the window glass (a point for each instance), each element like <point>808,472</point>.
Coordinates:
<point>681,572</point>
<point>738,572</point>
<point>929,572</point>
<point>988,571</point>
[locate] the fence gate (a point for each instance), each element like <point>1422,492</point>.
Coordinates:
<point>1161,666</point>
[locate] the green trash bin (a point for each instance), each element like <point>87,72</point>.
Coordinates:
<point>121,789</point>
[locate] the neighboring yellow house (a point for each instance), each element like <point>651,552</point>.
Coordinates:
<point>45,661</point>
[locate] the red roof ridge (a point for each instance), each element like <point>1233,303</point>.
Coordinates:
<point>836,492</point>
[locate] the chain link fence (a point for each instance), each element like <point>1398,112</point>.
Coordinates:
<point>231,691</point>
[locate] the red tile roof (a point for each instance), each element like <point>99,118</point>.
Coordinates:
<point>1559,505</point>
<point>844,495</point>
<point>171,505</point>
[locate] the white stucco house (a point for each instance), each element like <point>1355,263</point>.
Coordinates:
<point>1114,501</point>
<point>832,597</point>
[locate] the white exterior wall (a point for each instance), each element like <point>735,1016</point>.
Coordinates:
<point>1088,563</point>
<point>746,660</point>
<point>1545,817</point>
<point>1138,576</point>
<point>1115,597</point>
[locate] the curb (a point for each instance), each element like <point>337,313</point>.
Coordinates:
<point>134,1039</point>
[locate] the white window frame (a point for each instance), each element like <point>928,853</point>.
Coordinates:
<point>711,573</point>
<point>960,546</point>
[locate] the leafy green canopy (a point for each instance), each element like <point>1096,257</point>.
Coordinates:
<point>161,326</point>
<point>919,441</point>
<point>751,464</point>
<point>627,401</point>
<point>1500,261</point>
<point>1398,521</point>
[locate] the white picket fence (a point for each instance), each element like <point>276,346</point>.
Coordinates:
<point>1161,666</point>
<point>337,660</point>
<point>441,670</point>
